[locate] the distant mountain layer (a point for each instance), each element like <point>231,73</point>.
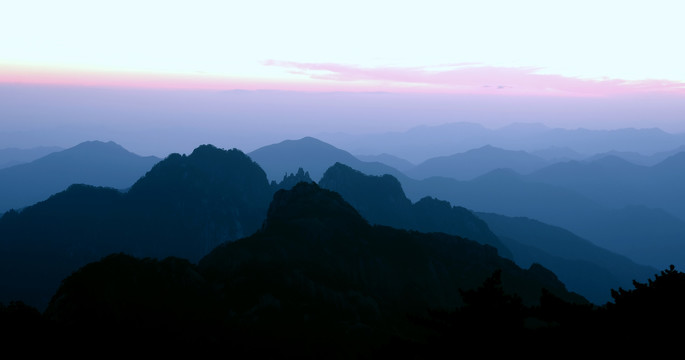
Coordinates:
<point>615,182</point>
<point>477,162</point>
<point>508,193</point>
<point>13,156</point>
<point>638,232</point>
<point>93,163</point>
<point>387,159</point>
<point>424,142</point>
<point>314,156</point>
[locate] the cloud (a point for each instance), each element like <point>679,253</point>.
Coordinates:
<point>477,78</point>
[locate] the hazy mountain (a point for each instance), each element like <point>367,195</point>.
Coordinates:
<point>184,206</point>
<point>619,230</point>
<point>476,162</point>
<point>424,142</point>
<point>314,156</point>
<point>14,156</point>
<point>94,163</point>
<point>584,267</point>
<point>381,200</point>
<point>616,182</point>
<point>387,159</point>
<point>556,154</point>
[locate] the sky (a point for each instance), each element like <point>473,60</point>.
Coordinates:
<point>619,51</point>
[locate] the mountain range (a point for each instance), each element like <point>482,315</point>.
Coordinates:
<point>619,227</point>
<point>315,279</point>
<point>423,142</point>
<point>214,196</point>
<point>184,206</point>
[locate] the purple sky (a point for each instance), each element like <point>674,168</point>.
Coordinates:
<point>245,74</point>
<point>156,122</point>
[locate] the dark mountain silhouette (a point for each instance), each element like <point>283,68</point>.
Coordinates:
<point>312,237</point>
<point>291,180</point>
<point>381,200</point>
<point>316,280</point>
<point>583,266</point>
<point>184,206</point>
<point>476,162</point>
<point>312,155</point>
<point>319,280</point>
<point>591,270</point>
<point>13,156</point>
<point>269,308</point>
<point>94,163</point>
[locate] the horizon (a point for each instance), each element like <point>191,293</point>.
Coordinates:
<point>202,73</point>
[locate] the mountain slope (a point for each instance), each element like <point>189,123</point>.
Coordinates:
<point>184,206</point>
<point>583,266</point>
<point>617,183</point>
<point>314,156</point>
<point>94,163</point>
<point>639,232</point>
<point>317,280</point>
<point>13,156</point>
<point>381,200</point>
<point>313,232</point>
<point>477,162</point>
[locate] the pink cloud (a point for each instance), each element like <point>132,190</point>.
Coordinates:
<point>463,78</point>
<point>476,78</point>
<point>92,78</point>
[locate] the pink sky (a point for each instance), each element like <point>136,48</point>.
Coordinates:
<point>455,78</point>
<point>43,106</point>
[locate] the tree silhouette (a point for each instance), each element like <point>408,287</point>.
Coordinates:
<point>489,309</point>
<point>646,312</point>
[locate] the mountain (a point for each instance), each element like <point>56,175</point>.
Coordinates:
<point>638,232</point>
<point>556,154</point>
<point>387,159</point>
<point>381,200</point>
<point>314,237</point>
<point>425,142</point>
<point>609,180</point>
<point>184,206</point>
<point>477,162</point>
<point>94,163</point>
<point>584,267</point>
<point>14,156</point>
<point>315,280</point>
<point>313,155</point>
<point>615,182</point>
<point>637,158</point>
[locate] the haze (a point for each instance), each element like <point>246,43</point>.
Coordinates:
<point>168,71</point>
